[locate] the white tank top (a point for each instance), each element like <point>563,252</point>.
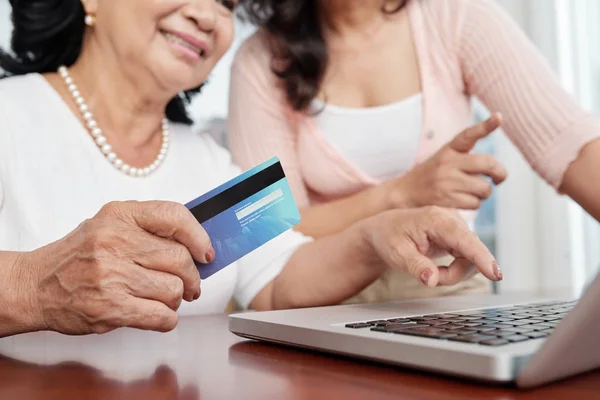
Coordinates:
<point>380,141</point>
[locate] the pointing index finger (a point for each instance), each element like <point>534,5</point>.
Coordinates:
<point>463,243</point>
<point>467,139</point>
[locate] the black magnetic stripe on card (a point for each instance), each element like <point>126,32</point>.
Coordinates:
<point>238,193</point>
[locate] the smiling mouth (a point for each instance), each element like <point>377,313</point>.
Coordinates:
<point>176,39</point>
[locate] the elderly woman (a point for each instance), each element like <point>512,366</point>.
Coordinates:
<point>96,157</point>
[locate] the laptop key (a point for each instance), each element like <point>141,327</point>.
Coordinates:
<point>358,325</point>
<point>531,320</point>
<point>536,335</point>
<point>469,313</point>
<point>517,338</point>
<point>539,327</point>
<point>397,320</point>
<point>500,319</point>
<point>481,328</point>
<point>535,314</point>
<point>381,329</point>
<point>455,319</point>
<point>499,333</point>
<point>517,330</point>
<point>453,326</point>
<point>472,338</point>
<point>523,316</point>
<point>437,323</point>
<point>393,327</point>
<point>425,333</point>
<point>506,315</point>
<point>495,342</point>
<point>466,331</point>
<point>520,323</point>
<point>480,321</point>
<point>518,317</point>
<point>413,326</point>
<point>499,326</point>
<point>378,323</point>
<point>548,324</point>
<point>472,324</point>
<point>423,319</point>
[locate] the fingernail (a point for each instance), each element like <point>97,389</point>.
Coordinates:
<point>425,275</point>
<point>497,271</point>
<point>210,255</point>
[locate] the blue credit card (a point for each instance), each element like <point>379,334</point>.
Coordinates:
<point>245,213</point>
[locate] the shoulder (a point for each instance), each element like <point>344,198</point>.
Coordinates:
<point>23,96</point>
<point>254,55</point>
<point>19,96</point>
<point>17,88</point>
<point>252,72</point>
<point>449,16</point>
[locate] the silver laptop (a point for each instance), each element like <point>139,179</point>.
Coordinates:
<point>494,338</point>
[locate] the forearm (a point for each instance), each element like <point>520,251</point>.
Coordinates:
<point>327,271</point>
<point>17,314</point>
<point>330,218</point>
<point>582,180</point>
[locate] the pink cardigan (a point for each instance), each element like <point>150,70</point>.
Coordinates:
<point>465,48</point>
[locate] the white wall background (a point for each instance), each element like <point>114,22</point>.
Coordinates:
<point>4,24</point>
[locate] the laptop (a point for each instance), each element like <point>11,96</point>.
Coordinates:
<point>522,340</point>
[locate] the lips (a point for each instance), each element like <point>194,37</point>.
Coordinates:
<point>188,42</point>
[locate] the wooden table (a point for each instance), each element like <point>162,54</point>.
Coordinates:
<point>202,360</point>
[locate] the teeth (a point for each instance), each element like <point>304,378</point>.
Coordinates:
<point>176,39</point>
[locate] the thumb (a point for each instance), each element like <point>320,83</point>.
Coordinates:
<point>422,268</point>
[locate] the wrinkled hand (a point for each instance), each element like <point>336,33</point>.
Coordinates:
<point>409,239</point>
<point>128,266</point>
<point>452,177</point>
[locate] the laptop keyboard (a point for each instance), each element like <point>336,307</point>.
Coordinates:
<point>489,327</point>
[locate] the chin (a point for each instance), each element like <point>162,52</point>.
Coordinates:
<point>181,77</point>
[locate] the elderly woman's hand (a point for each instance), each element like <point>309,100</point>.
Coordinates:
<point>128,266</point>
<point>409,239</point>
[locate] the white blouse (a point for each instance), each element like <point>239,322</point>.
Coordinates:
<point>52,177</point>
<point>382,142</point>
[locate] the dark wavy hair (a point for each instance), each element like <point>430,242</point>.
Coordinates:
<point>49,33</point>
<point>297,42</point>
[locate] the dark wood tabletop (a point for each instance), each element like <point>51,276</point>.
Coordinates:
<point>202,360</point>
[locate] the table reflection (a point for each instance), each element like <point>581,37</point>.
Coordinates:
<point>19,379</point>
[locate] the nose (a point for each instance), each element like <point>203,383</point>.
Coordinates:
<point>203,13</point>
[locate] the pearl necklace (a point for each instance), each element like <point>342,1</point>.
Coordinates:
<point>100,139</point>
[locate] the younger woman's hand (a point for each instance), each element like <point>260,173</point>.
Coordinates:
<point>453,177</point>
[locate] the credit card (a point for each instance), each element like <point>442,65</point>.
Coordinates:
<point>245,213</point>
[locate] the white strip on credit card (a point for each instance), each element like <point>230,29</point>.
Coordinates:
<point>271,197</point>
